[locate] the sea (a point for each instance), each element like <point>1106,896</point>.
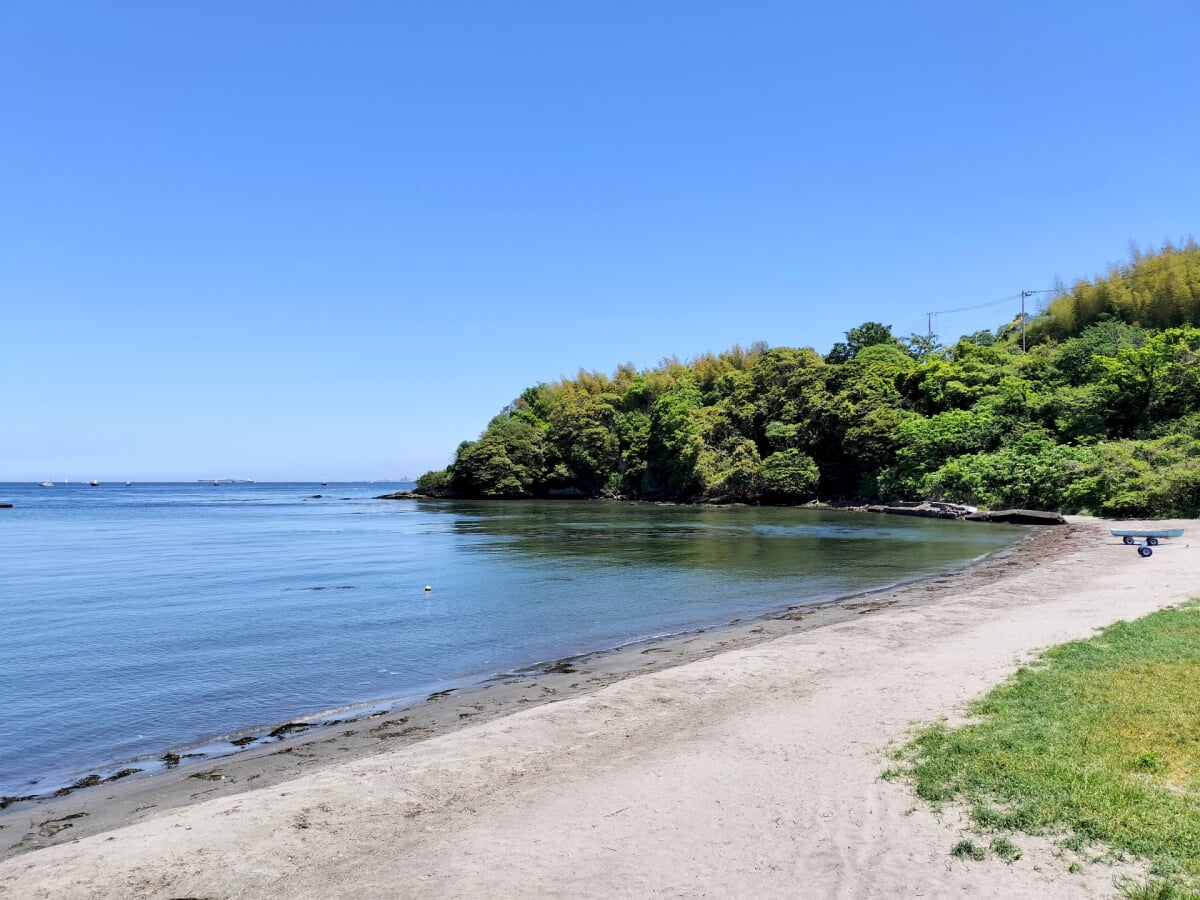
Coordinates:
<point>145,618</point>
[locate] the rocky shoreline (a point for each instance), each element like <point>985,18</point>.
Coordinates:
<point>929,509</point>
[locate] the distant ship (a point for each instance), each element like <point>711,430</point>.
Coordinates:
<point>47,484</point>
<point>94,483</point>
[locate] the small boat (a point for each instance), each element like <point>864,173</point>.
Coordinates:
<point>1130,534</point>
<point>94,483</point>
<point>47,484</point>
<point>1149,537</point>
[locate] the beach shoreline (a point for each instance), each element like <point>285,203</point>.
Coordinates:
<point>716,739</point>
<point>298,663</point>
<point>105,798</point>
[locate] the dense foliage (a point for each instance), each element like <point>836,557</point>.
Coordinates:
<point>1100,414</point>
<point>1155,290</point>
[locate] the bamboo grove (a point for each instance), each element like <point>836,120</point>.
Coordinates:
<point>1101,414</point>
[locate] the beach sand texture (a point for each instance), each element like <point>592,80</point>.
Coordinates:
<point>747,773</point>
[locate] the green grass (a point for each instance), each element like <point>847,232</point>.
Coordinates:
<point>1098,741</point>
<point>1154,889</point>
<point>1006,849</point>
<point>968,849</point>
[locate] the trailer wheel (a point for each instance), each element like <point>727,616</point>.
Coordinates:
<point>1153,542</point>
<point>1127,539</point>
<point>1144,551</point>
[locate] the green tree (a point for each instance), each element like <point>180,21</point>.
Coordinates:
<point>1154,290</point>
<point>865,335</point>
<point>435,484</point>
<point>1101,413</point>
<point>926,444</point>
<point>584,442</point>
<point>730,473</point>
<point>506,461</point>
<point>789,476</point>
<point>1031,472</point>
<point>674,443</point>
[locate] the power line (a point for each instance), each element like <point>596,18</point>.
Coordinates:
<point>929,315</point>
<point>1003,300</point>
<point>1012,298</point>
<point>939,312</point>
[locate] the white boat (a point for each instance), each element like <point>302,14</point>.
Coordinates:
<point>47,484</point>
<point>94,483</point>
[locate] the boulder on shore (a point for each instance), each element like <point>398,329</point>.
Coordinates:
<point>1018,517</point>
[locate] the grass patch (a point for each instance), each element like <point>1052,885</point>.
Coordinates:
<point>1099,740</point>
<point>968,849</point>
<point>1154,889</point>
<point>1006,849</point>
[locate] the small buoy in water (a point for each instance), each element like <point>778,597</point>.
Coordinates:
<point>428,588</point>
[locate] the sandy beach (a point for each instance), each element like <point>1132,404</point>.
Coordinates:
<point>742,762</point>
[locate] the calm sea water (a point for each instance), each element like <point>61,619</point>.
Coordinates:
<point>161,616</point>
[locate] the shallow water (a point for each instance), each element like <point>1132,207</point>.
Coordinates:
<point>158,616</point>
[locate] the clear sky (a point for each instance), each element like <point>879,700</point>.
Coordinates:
<point>328,241</point>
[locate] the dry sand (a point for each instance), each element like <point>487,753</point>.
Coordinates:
<point>742,763</point>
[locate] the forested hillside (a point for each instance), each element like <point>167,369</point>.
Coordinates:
<point>1101,413</point>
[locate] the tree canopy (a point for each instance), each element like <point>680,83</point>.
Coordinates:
<point>1100,414</point>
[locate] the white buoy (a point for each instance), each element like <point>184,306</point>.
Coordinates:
<point>428,588</point>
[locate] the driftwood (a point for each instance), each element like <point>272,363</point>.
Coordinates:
<point>926,509</point>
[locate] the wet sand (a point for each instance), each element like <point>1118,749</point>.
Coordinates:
<point>724,763</point>
<point>307,743</point>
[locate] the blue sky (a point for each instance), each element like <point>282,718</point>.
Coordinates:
<point>280,240</point>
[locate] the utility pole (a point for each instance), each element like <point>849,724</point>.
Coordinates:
<point>929,325</point>
<point>1024,294</point>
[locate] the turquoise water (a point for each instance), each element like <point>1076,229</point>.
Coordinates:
<point>162,616</point>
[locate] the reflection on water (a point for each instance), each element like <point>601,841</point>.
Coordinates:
<point>153,616</point>
<point>753,542</point>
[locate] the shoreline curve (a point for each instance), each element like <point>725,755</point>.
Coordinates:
<point>743,758</point>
